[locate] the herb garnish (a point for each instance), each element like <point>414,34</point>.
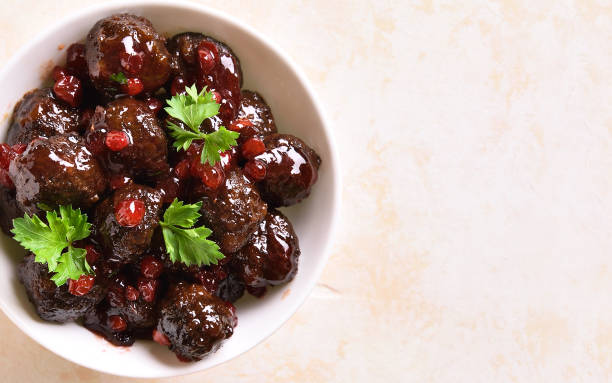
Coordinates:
<point>185,243</point>
<point>48,242</point>
<point>192,109</point>
<point>119,77</point>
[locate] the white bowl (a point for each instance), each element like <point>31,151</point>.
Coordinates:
<point>294,104</point>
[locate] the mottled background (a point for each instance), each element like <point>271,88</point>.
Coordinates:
<point>476,146</point>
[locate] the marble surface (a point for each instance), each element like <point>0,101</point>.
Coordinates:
<point>477,146</point>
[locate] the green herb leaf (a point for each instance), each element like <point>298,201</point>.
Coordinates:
<point>118,77</point>
<point>48,241</point>
<point>184,243</point>
<point>192,109</point>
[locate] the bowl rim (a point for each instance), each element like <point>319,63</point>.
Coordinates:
<point>336,200</point>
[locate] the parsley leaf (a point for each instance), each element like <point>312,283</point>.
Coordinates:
<point>119,77</point>
<point>48,241</point>
<point>183,242</point>
<point>192,109</point>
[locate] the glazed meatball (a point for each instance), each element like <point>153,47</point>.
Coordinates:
<point>254,108</point>
<point>208,63</point>
<point>124,315</point>
<point>124,243</point>
<point>271,255</point>
<point>57,171</point>
<point>194,321</point>
<point>291,170</point>
<point>128,44</point>
<point>233,212</point>
<point>146,152</point>
<point>39,114</point>
<point>54,303</point>
<point>9,209</point>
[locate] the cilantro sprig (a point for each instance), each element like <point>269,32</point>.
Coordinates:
<point>52,242</point>
<point>185,243</point>
<point>192,108</point>
<point>119,77</point>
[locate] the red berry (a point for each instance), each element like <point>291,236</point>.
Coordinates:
<point>81,286</point>
<point>154,104</point>
<point>178,86</point>
<point>228,159</point>
<point>132,62</point>
<point>5,180</point>
<point>116,295</point>
<point>131,294</point>
<point>118,181</point>
<point>69,90</point>
<point>59,73</point>
<point>161,338</point>
<point>238,124</point>
<point>19,148</point>
<point>148,288</point>
<point>117,140</point>
<point>92,255</point>
<point>208,56</point>
<point>117,323</point>
<point>227,110</point>
<point>255,170</point>
<point>150,267</point>
<point>75,60</point>
<point>6,156</point>
<point>213,176</point>
<point>181,170</point>
<point>252,148</point>
<point>130,212</point>
<point>216,96</point>
<point>96,143</point>
<point>133,86</point>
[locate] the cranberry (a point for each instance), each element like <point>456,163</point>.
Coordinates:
<point>134,86</point>
<point>69,90</point>
<point>181,170</point>
<point>96,143</point>
<point>19,148</point>
<point>59,73</point>
<point>118,181</point>
<point>150,267</point>
<point>148,288</point>
<point>75,60</point>
<point>211,176</point>
<point>209,280</point>
<point>117,140</point>
<point>130,212</point>
<point>117,323</point>
<point>252,148</point>
<point>178,86</point>
<point>5,180</point>
<point>228,159</point>
<point>81,286</point>
<point>238,124</point>
<point>255,170</point>
<point>154,104</point>
<point>92,254</point>
<point>160,338</point>
<point>208,56</point>
<point>131,293</point>
<point>227,109</point>
<point>216,96</point>
<point>131,62</point>
<point>6,156</point>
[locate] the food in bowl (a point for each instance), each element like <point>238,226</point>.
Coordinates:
<point>143,221</point>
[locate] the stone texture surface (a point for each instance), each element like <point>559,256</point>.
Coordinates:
<point>476,237</point>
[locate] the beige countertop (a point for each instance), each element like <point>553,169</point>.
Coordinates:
<point>476,246</point>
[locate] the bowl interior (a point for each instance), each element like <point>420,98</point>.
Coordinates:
<point>265,70</point>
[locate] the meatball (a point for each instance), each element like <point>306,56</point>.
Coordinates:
<point>123,315</point>
<point>128,44</point>
<point>194,321</point>
<point>254,108</point>
<point>124,244</point>
<point>146,154</point>
<point>207,62</point>
<point>53,303</point>
<point>233,211</point>
<point>9,209</point>
<point>291,170</point>
<point>39,114</point>
<point>57,171</point>
<point>271,255</point>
